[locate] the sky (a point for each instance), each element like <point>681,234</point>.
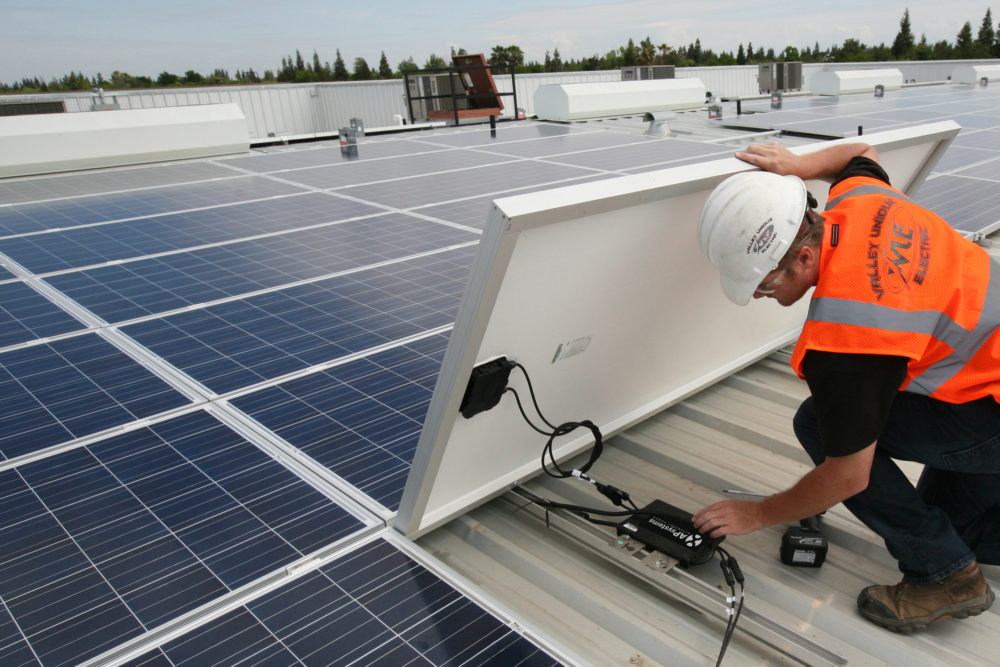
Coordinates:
<point>50,38</point>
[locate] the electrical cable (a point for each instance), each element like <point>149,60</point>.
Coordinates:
<point>730,568</point>
<point>552,468</point>
<point>734,575</point>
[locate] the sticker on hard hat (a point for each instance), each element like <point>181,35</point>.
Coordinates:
<point>762,238</point>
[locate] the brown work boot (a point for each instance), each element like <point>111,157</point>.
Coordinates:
<point>908,607</point>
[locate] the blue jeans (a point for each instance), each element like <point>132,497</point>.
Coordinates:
<point>952,516</point>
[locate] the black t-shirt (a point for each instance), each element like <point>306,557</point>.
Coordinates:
<point>852,393</point>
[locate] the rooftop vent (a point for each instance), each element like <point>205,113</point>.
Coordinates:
<point>975,73</point>
<point>855,81</point>
<point>579,101</point>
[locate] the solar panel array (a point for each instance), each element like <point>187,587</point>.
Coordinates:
<point>962,187</point>
<point>215,374</point>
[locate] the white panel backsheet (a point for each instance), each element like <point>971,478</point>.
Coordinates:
<point>616,262</point>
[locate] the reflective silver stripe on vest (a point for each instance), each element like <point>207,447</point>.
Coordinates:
<point>964,342</point>
<point>864,190</point>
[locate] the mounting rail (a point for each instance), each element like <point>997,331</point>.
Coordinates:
<point>660,572</point>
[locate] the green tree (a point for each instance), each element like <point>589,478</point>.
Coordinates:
<point>986,36</point>
<point>167,79</point>
<point>741,55</point>
<point>340,69</point>
<point>406,66</point>
<point>963,42</point>
<point>630,54</point>
<point>903,44</point>
<point>942,50</point>
<point>384,70</point>
<point>434,61</point>
<point>190,77</point>
<point>362,72</point>
<point>922,51</point>
<point>647,52</point>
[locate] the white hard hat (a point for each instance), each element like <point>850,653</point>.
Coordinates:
<point>747,225</point>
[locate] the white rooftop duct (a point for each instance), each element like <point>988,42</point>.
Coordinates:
<point>855,81</point>
<point>45,143</point>
<point>975,73</point>
<point>579,101</point>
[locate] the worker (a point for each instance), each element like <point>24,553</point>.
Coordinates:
<point>901,353</point>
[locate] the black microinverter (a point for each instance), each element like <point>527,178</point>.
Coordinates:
<point>669,530</point>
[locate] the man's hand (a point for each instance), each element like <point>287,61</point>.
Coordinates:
<point>774,158</point>
<point>729,517</point>
<point>836,479</point>
<point>825,163</point>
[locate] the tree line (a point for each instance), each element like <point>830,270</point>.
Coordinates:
<point>983,44</point>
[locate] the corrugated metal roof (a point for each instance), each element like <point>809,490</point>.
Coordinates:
<point>735,434</point>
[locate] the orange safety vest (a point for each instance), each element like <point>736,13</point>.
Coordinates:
<point>896,279</point>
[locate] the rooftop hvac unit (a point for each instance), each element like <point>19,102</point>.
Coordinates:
<point>644,72</point>
<point>773,77</point>
<point>431,86</point>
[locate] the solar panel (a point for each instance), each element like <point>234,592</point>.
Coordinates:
<point>374,606</point>
<point>84,210</point>
<point>71,388</point>
<point>42,188</point>
<point>240,343</point>
<point>99,244</point>
<point>437,163</point>
<point>360,420</point>
<point>99,544</point>
<point>147,286</point>
<point>422,190</point>
<point>960,201</point>
<point>841,116</point>
<point>27,315</point>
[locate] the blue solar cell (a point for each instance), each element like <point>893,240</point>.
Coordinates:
<point>958,200</point>
<point>72,212</point>
<point>118,180</point>
<point>150,286</point>
<point>71,388</point>
<point>87,246</point>
<point>422,160</point>
<point>14,649</point>
<point>236,638</point>
<point>430,189</point>
<point>153,658</point>
<point>361,420</point>
<point>27,315</point>
<point>138,529</point>
<point>239,343</point>
<point>374,606</point>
